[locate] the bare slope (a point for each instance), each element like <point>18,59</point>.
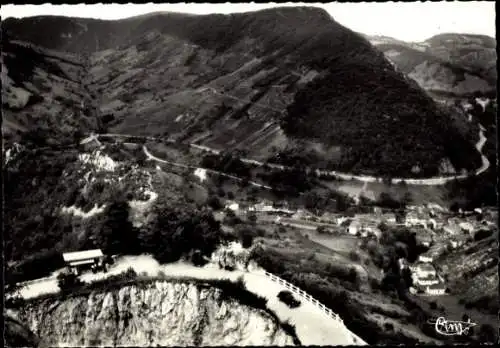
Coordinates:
<point>456,65</point>
<point>289,80</point>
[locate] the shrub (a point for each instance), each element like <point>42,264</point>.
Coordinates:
<point>68,281</point>
<point>290,330</point>
<point>433,305</point>
<point>287,298</point>
<point>214,203</point>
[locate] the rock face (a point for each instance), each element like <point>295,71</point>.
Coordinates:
<point>160,313</point>
<point>287,84</point>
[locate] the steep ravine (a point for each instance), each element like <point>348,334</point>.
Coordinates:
<point>159,313</point>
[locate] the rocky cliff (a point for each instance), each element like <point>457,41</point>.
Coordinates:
<point>160,313</point>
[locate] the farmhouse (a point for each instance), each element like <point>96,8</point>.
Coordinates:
<point>425,258</point>
<point>436,289</point>
<point>79,260</point>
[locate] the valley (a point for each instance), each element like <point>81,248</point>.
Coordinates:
<point>284,184</point>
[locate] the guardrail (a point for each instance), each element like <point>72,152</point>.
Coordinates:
<point>304,295</point>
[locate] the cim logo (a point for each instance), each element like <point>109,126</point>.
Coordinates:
<point>451,328</point>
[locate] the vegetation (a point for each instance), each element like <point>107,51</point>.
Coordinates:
<point>229,163</point>
<point>326,283</point>
<point>287,298</point>
<point>68,282</point>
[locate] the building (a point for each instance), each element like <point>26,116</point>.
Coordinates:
<point>80,260</point>
<point>354,228</point>
<point>436,289</point>
<point>426,258</point>
<point>232,206</point>
<point>466,227</point>
<point>429,280</point>
<point>423,270</point>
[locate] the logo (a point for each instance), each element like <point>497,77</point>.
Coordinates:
<point>451,328</point>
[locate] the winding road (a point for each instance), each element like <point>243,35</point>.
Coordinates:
<point>434,181</point>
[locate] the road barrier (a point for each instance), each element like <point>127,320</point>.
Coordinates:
<point>304,295</point>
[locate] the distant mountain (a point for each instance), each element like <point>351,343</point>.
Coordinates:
<point>283,83</point>
<point>457,65</point>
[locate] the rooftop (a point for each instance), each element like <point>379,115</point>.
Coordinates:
<point>82,255</point>
<point>437,286</point>
<point>425,267</point>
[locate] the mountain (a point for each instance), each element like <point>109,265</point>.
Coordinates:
<point>456,65</point>
<point>280,83</point>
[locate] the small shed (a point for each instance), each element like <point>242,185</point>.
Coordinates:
<point>83,259</point>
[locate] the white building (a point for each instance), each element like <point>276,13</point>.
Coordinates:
<point>423,270</point>
<point>354,228</point>
<point>76,261</point>
<point>429,280</point>
<point>232,206</point>
<point>425,258</point>
<point>436,289</point>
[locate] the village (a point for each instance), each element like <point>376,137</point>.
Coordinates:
<point>436,228</point>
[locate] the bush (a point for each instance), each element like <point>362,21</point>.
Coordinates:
<point>214,203</point>
<point>287,298</point>
<point>68,281</point>
<point>290,330</point>
<point>433,305</point>
<point>389,327</point>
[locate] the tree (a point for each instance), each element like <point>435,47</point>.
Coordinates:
<point>68,281</point>
<point>117,234</point>
<point>214,203</point>
<point>246,236</point>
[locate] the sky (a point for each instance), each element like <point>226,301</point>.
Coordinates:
<point>411,21</point>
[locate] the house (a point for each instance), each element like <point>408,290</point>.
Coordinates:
<point>423,270</point>
<point>426,258</point>
<point>436,289</point>
<point>232,206</point>
<point>79,260</point>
